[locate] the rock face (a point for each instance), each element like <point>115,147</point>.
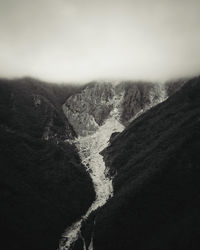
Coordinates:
<point>89,148</point>
<point>156,189</point>
<point>98,113</point>
<point>138,97</point>
<point>44,186</point>
<point>89,109</point>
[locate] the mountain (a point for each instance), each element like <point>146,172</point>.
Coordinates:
<point>44,186</point>
<point>55,142</point>
<point>174,86</point>
<point>89,109</point>
<point>98,113</point>
<point>155,162</point>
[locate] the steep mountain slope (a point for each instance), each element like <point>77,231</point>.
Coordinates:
<point>89,148</point>
<point>89,109</point>
<point>97,112</point>
<point>44,186</point>
<point>156,187</point>
<point>173,86</point>
<point>138,97</point>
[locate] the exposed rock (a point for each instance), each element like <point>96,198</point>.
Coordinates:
<point>138,97</point>
<point>89,109</point>
<point>37,100</point>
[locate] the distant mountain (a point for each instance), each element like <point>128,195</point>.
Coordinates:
<point>156,163</point>
<point>88,109</point>
<point>44,186</point>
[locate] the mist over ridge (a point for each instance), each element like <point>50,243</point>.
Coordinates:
<point>79,41</point>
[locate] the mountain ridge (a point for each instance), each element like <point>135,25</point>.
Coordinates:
<point>89,109</point>
<point>142,97</point>
<point>156,185</point>
<point>45,186</point>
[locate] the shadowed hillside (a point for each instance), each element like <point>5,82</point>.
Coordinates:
<point>157,164</point>
<point>44,186</point>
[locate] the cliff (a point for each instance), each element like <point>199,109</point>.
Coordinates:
<point>88,110</point>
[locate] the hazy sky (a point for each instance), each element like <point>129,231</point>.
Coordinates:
<point>83,40</point>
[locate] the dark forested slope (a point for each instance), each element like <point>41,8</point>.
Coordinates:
<point>44,187</point>
<point>157,164</point>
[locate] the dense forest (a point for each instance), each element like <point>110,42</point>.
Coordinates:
<point>44,186</point>
<point>156,185</point>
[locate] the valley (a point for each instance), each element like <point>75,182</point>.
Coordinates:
<point>99,166</point>
<point>92,143</point>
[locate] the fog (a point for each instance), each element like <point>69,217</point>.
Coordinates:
<point>84,40</point>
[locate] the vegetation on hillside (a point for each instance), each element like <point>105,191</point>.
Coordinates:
<point>44,186</point>
<point>157,164</point>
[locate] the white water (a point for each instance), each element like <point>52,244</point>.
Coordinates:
<point>89,150</point>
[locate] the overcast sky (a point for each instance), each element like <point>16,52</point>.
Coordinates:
<point>83,40</point>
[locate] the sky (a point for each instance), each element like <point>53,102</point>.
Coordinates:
<point>85,40</point>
